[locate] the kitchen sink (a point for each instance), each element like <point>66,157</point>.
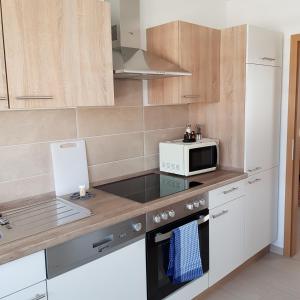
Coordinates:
<point>39,217</point>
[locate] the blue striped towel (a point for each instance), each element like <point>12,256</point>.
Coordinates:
<point>184,254</point>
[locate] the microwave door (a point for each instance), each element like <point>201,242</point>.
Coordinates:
<point>203,158</point>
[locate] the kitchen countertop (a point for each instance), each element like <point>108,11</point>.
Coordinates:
<point>107,209</point>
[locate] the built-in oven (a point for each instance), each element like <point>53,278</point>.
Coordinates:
<point>159,285</point>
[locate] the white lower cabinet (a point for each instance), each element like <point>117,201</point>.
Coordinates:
<point>261,208</point>
<point>20,274</point>
<point>226,239</point>
<point>119,275</point>
<point>35,292</point>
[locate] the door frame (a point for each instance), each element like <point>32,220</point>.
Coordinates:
<point>293,151</point>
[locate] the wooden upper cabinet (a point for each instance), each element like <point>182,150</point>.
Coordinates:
<point>58,53</point>
<point>194,48</point>
<point>3,82</point>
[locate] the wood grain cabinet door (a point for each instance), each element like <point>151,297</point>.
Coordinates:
<point>194,48</point>
<point>58,53</point>
<point>200,55</point>
<point>3,82</point>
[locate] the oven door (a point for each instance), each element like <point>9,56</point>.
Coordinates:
<point>159,285</point>
<point>202,159</point>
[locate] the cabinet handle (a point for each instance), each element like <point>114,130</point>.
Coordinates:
<point>224,212</point>
<point>254,181</point>
<point>34,97</point>
<point>230,191</point>
<point>191,96</point>
<point>39,296</point>
<point>3,98</point>
<point>268,58</point>
<point>255,169</point>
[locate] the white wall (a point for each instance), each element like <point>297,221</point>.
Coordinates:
<point>210,13</point>
<point>280,15</point>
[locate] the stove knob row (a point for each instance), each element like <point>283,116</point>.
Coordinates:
<point>196,204</point>
<point>164,216</point>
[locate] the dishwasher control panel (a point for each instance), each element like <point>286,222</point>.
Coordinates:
<point>79,251</point>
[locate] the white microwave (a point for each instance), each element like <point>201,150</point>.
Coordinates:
<point>190,159</point>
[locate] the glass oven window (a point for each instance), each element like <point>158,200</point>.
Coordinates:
<point>202,158</point>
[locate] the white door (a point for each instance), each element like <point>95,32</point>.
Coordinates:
<point>263,103</point>
<point>226,239</point>
<point>261,207</point>
<point>119,275</point>
<point>264,47</point>
<point>35,292</point>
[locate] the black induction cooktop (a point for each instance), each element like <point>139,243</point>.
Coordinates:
<point>149,187</point>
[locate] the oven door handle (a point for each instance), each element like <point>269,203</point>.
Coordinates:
<point>165,236</point>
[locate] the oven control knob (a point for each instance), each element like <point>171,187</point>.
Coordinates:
<point>164,216</point>
<point>172,213</point>
<point>137,227</point>
<point>202,202</point>
<point>190,206</point>
<point>157,219</point>
<point>196,204</point>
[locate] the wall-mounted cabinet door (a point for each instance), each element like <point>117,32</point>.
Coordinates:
<point>3,83</point>
<point>263,103</point>
<point>58,53</point>
<point>200,55</point>
<point>264,46</point>
<point>193,48</point>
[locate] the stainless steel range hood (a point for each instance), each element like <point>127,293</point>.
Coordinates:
<point>130,61</point>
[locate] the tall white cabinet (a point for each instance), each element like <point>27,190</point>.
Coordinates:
<point>262,136</point>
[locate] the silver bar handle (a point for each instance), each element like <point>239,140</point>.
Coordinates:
<point>34,97</point>
<point>255,169</point>
<point>39,296</point>
<point>230,191</point>
<point>268,58</point>
<point>3,98</point>
<point>191,96</point>
<point>254,181</point>
<point>222,213</point>
<point>165,236</point>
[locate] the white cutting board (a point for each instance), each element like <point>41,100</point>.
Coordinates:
<point>69,167</point>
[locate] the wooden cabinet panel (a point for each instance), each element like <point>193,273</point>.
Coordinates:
<point>261,211</point>
<point>263,103</point>
<point>194,48</point>
<point>3,83</point>
<point>163,41</point>
<point>58,53</point>
<point>226,239</point>
<point>200,55</point>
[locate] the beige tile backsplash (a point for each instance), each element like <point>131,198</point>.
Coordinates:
<point>120,140</point>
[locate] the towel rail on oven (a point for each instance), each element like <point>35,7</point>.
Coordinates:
<point>165,236</point>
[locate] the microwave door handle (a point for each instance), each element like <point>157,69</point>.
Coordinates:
<point>160,237</point>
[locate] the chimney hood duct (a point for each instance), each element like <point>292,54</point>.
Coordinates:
<point>131,62</point>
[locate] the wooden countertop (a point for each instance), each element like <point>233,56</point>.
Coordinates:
<point>107,209</point>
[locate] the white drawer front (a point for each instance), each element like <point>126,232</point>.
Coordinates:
<point>22,273</point>
<point>226,193</point>
<point>35,292</point>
